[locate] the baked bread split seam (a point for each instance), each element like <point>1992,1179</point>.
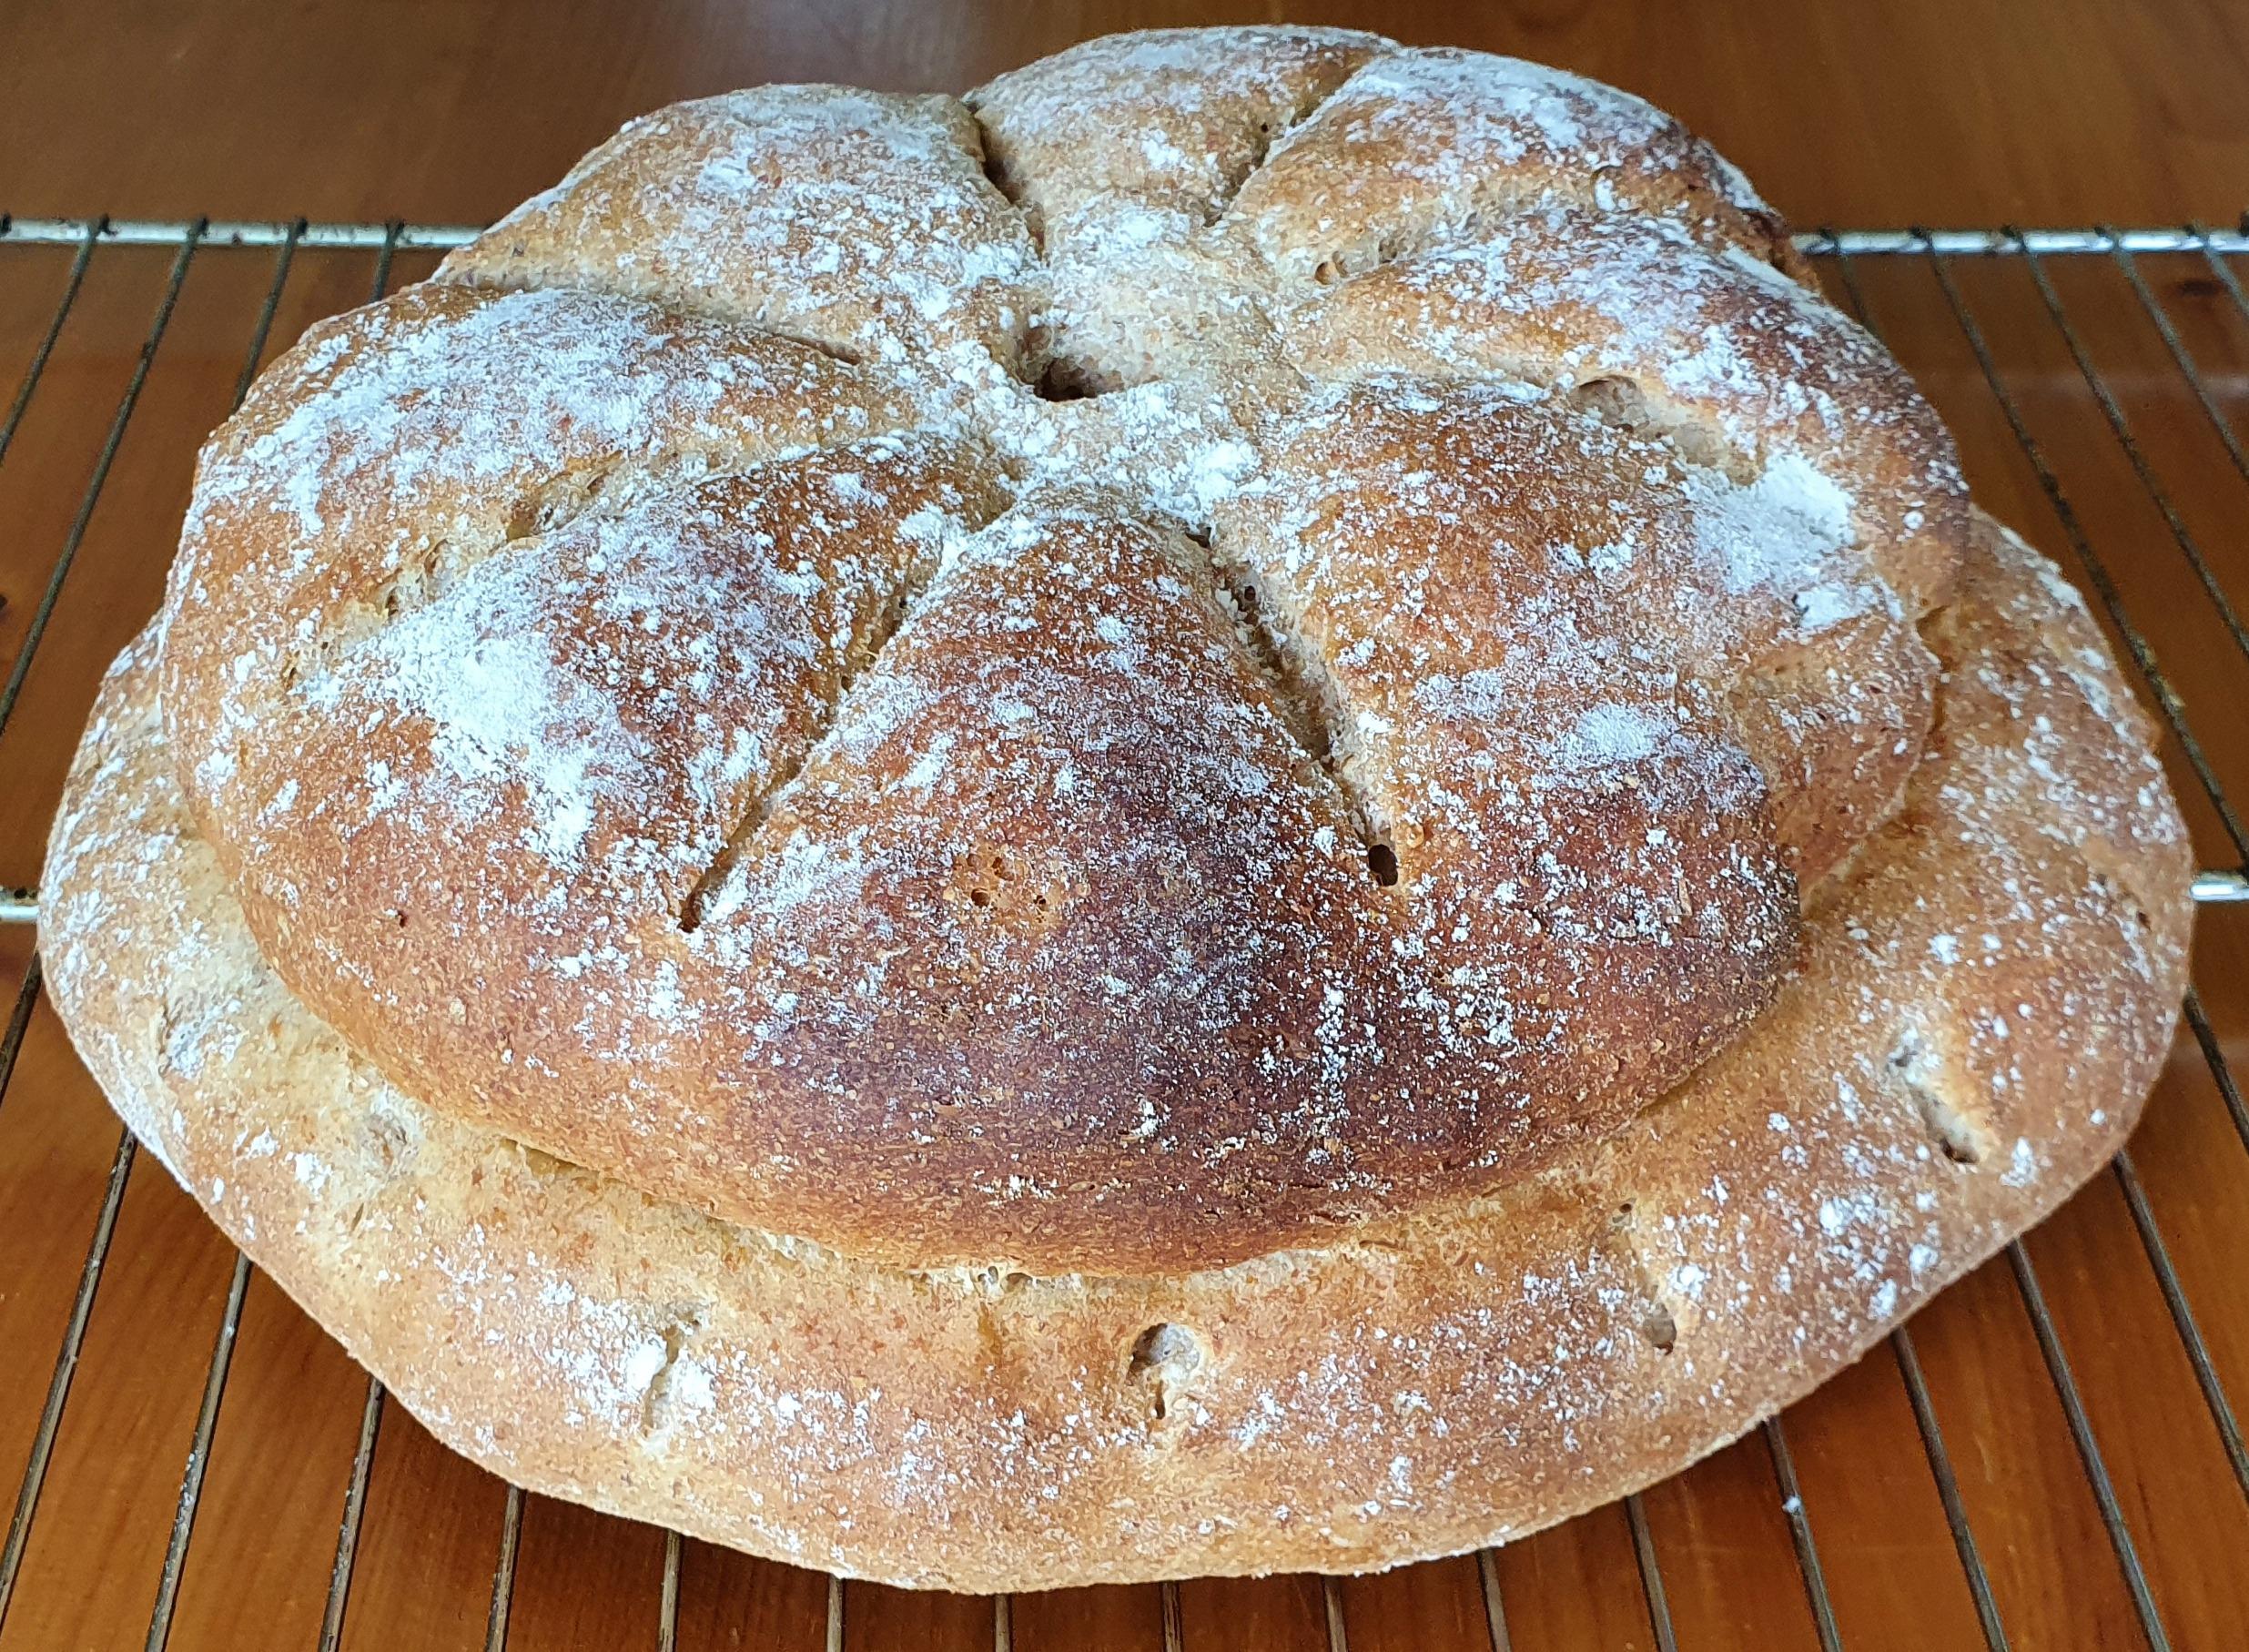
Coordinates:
<point>1495,873</point>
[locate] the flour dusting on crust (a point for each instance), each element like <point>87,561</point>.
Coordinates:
<point>1350,578</point>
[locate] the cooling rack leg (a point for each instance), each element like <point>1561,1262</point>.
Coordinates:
<point>2206,243</point>
<point>2220,1068</point>
<point>32,373</point>
<point>1949,1490</point>
<point>667,1605</point>
<point>2088,1449</point>
<point>2095,569</point>
<point>1801,1531</point>
<point>2182,1317</point>
<point>19,1023</point>
<point>75,536</point>
<point>504,1572</point>
<point>2121,430</point>
<point>1494,1610</point>
<point>198,1459</point>
<point>347,1530</point>
<point>1651,1576</point>
<point>2188,368</point>
<point>1331,1599</point>
<point>65,1367</point>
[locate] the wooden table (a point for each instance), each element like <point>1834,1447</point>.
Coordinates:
<point>1952,113</point>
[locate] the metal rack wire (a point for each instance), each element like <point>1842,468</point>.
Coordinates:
<point>1938,250</point>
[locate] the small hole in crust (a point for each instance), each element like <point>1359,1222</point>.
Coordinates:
<point>1165,1359</point>
<point>1622,403</point>
<point>997,887</point>
<point>1658,1323</point>
<point>995,1281</point>
<point>1661,1330</point>
<point>561,501</point>
<point>541,1163</point>
<point>1613,401</point>
<point>1327,272</point>
<point>1957,1135</point>
<point>1066,378</point>
<point>1383,861</point>
<point>1958,1153</point>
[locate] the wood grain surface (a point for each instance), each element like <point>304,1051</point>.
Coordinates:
<point>1962,113</point>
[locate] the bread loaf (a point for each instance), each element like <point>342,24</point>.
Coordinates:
<point>1550,637</point>
<point>1251,806</point>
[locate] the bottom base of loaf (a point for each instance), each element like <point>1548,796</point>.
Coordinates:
<point>1985,996</point>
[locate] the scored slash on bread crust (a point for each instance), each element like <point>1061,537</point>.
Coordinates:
<point>1983,1000</point>
<point>1104,679</point>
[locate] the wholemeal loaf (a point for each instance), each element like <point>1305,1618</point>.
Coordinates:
<point>1395,745</point>
<point>1251,806</point>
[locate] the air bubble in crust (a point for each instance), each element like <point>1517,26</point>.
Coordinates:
<point>1661,1329</point>
<point>1165,1359</point>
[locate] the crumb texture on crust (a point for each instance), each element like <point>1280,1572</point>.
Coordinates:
<point>1982,1003</point>
<point>1241,633</point>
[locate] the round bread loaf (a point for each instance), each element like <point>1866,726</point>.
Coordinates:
<point>1295,656</point>
<point>1982,999</point>
<point>1249,806</point>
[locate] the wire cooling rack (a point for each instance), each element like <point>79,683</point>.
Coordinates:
<point>2107,285</point>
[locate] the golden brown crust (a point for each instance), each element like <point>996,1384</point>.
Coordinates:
<point>1428,146</point>
<point>673,690</point>
<point>1525,646</point>
<point>1170,121</point>
<point>861,221</point>
<point>1981,1005</point>
<point>1712,349</point>
<point>1478,571</point>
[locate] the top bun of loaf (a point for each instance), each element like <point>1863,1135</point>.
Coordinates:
<point>1248,630</point>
